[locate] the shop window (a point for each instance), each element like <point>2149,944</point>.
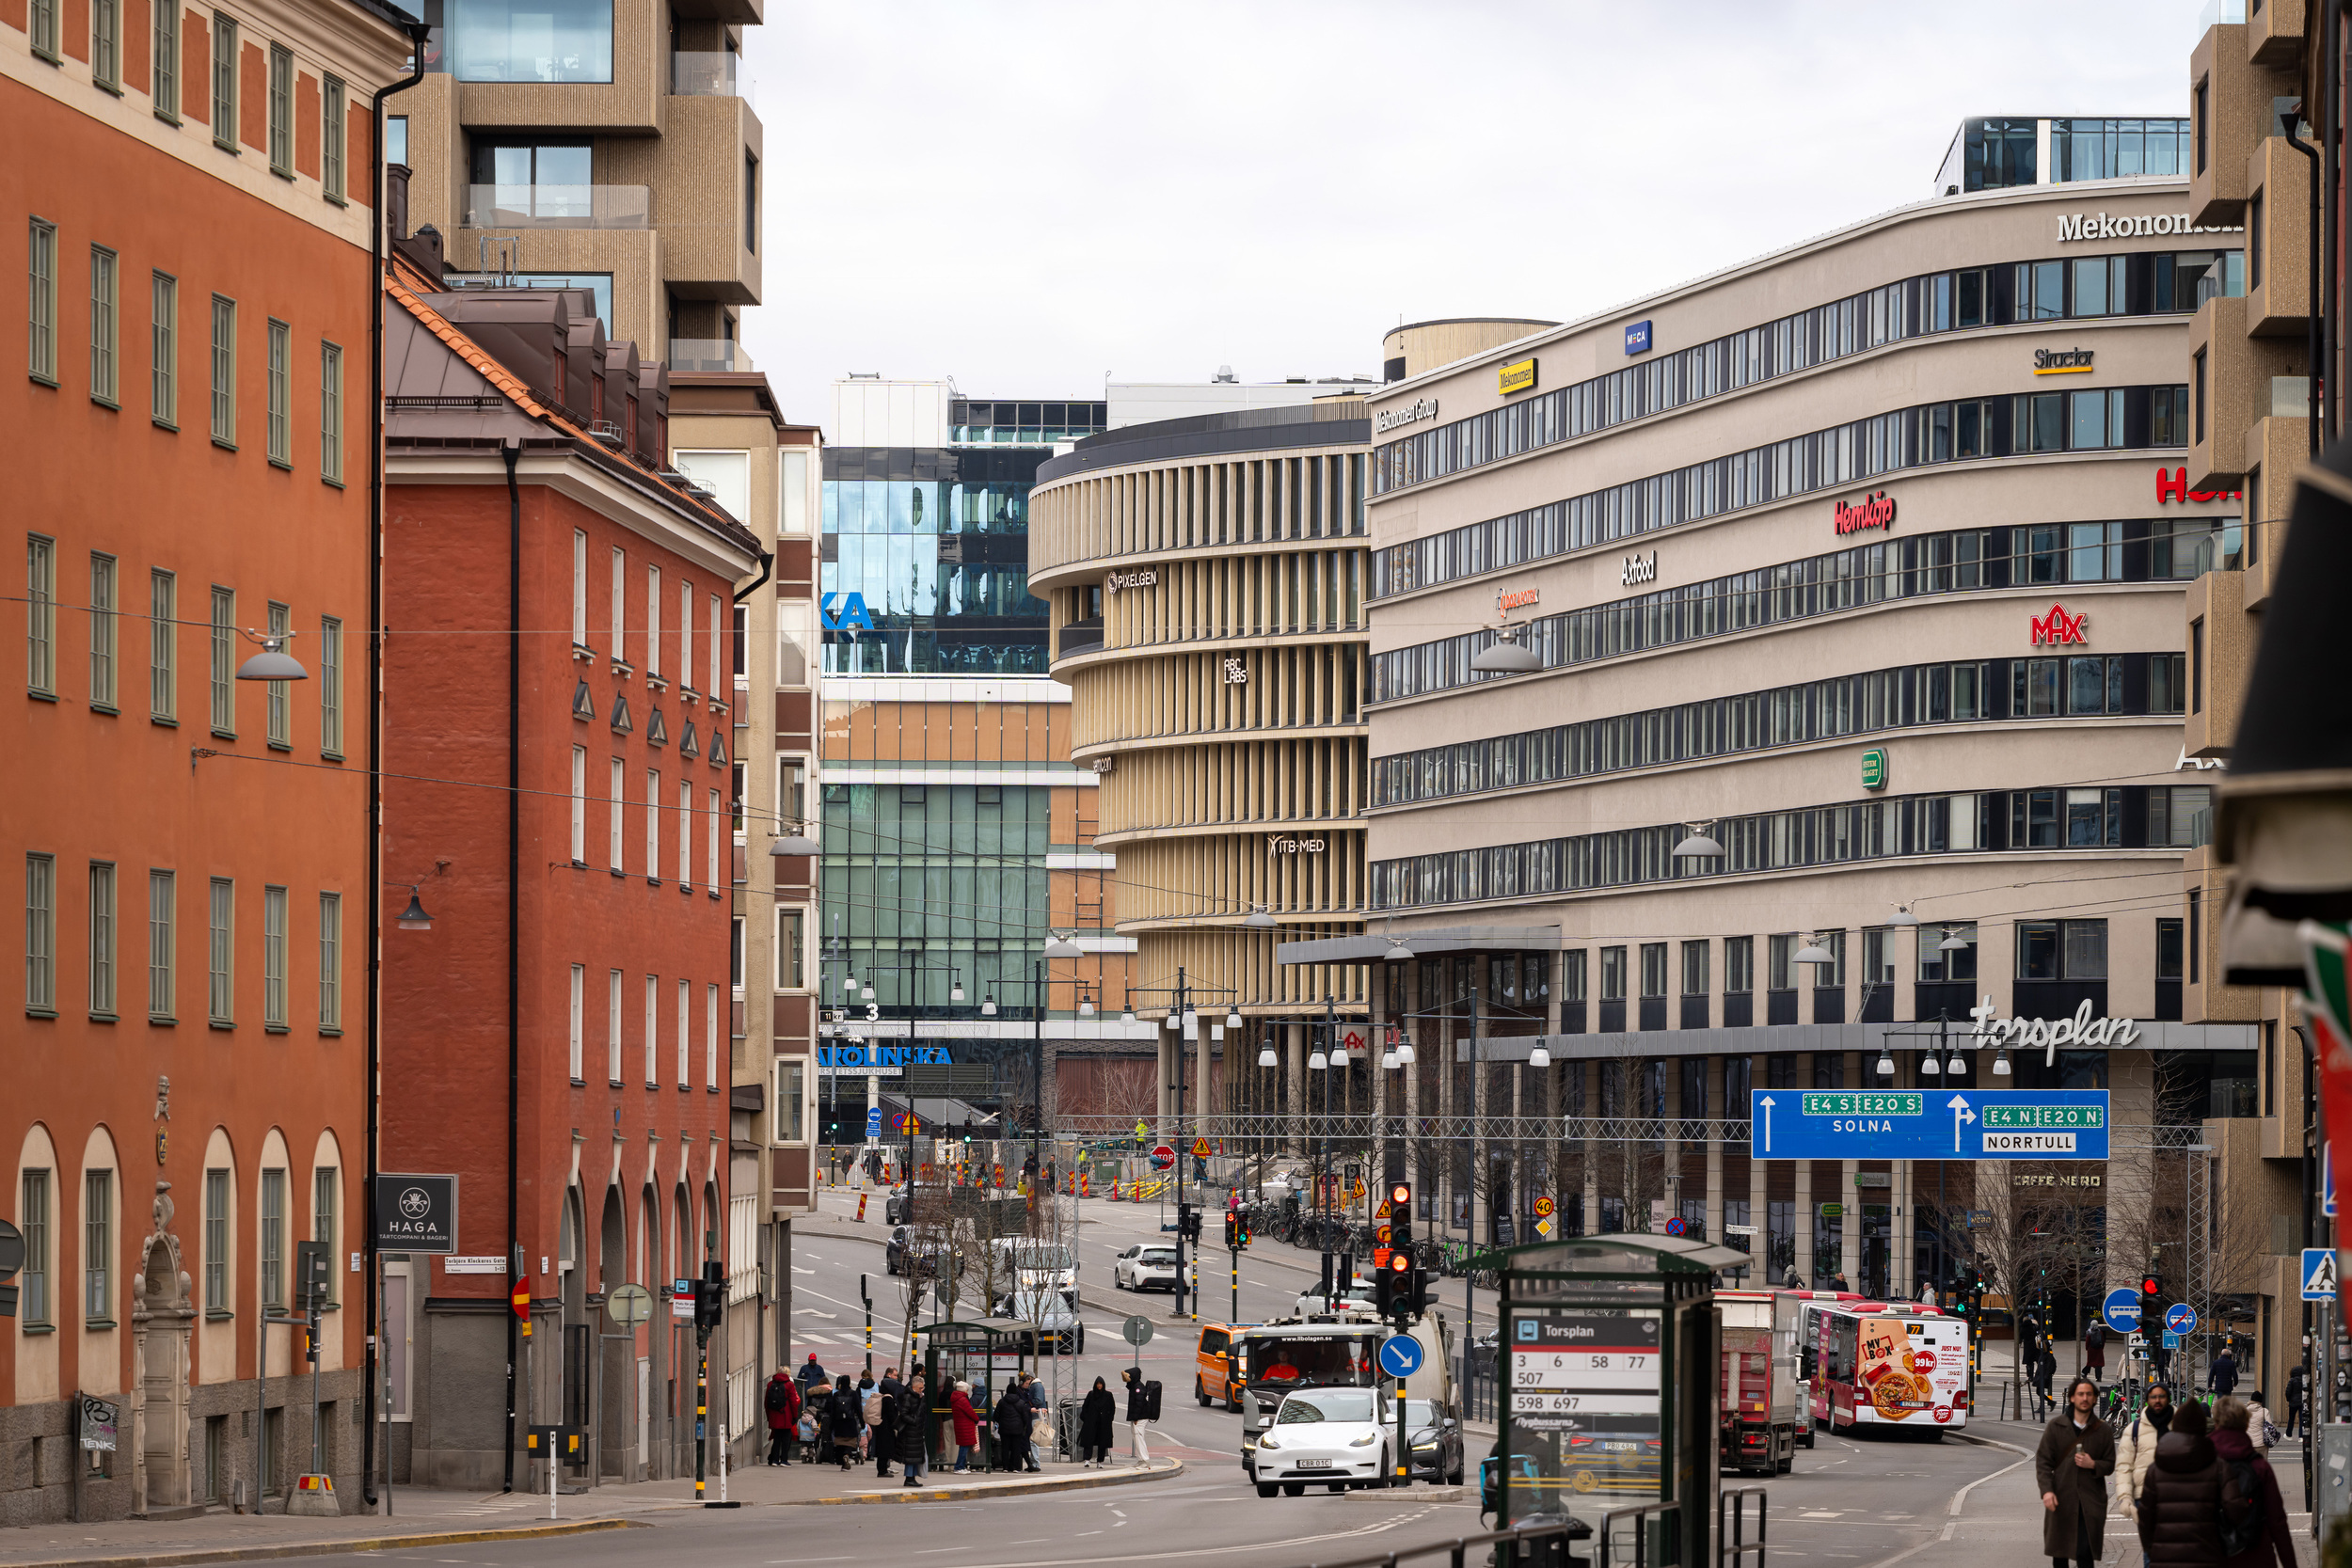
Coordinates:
<point>2062,950</point>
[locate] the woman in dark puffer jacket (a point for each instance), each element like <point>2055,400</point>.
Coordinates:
<point>2179,1507</point>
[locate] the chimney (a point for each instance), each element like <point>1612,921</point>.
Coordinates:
<point>396,201</point>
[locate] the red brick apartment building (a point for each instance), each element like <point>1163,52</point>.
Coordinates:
<point>558,745</point>
<point>186,190</point>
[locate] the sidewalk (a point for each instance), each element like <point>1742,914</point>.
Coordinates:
<point>429,1518</point>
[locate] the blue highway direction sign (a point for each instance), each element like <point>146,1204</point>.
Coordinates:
<point>1928,1124</point>
<point>1400,1356</point>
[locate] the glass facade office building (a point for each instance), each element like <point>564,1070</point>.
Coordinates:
<point>1998,151</point>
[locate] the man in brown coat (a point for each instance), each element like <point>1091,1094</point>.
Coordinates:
<point>2076,1454</point>
<point>2179,1505</point>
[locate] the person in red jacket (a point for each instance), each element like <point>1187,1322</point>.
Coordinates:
<point>967,1425</point>
<point>2234,1445</point>
<point>783,1406</point>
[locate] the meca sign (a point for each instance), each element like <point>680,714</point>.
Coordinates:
<point>2099,226</point>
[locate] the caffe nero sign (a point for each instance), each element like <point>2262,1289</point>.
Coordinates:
<point>416,1213</point>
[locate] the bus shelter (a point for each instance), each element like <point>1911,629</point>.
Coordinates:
<point>983,1353</point>
<point>1610,1376</point>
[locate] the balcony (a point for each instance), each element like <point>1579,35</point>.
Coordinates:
<point>708,73</point>
<point>2233,107</point>
<point>559,207</point>
<point>708,353</point>
<point>1080,636</point>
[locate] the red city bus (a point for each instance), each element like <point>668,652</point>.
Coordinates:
<point>1886,1364</point>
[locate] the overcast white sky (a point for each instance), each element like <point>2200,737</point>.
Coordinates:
<point>1031,195</point>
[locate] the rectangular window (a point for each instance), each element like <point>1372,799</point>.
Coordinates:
<point>791,961</point>
<point>32,1218</point>
<point>331,961</point>
<point>578,1021</point>
<point>2169,949</point>
<point>685,1030</point>
<point>1613,974</point>
<point>613,810</point>
<point>98,1246</point>
<point>331,686</point>
<point>717,673</point>
<point>216,1241</point>
<point>1780,971</point>
<point>102,939</point>
<point>711,842</point>
<point>102,632</point>
<point>333,129</point>
<point>1572,976</point>
<point>653,621</point>
<point>580,805</point>
<point>322,1184</point>
<point>686,837</point>
<point>791,1093</point>
<point>564,40</point>
<point>273,1242</point>
<point>1878,956</point>
<point>686,634</point>
<point>653,825</point>
<point>1739,965</point>
<point>710,1037</point>
<point>2197,665</point>
<point>751,204</point>
<point>165,64</point>
<point>2196,397</point>
<point>653,1022</point>
<point>2062,950</point>
<point>331,413</point>
<point>274,957</point>
<point>40,614</point>
<point>162,335</point>
<point>1947,953</point>
<point>161,944</point>
<point>579,588</point>
<point>278,710</point>
<point>224,667</point>
<point>613,1027</point>
<point>2196,932</point>
<point>2254,242</point>
<point>1695,968</point>
<point>620,604</point>
<point>163,632</point>
<point>42,28</point>
<point>105,336</point>
<point>41,934</point>
<point>224,83</point>
<point>225,372</point>
<point>42,267</point>
<point>1653,968</point>
<point>221,953</point>
<point>107,43</point>
<point>281,395</point>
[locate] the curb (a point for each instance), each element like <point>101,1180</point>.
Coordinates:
<point>317,1548</point>
<point>1027,1489</point>
<point>1988,1443</point>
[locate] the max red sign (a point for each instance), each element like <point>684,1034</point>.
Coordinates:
<point>2173,486</point>
<point>2059,628</point>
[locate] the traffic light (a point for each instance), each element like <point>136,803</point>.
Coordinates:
<point>1236,1232</point>
<point>710,1294</point>
<point>2152,1304</point>
<point>1187,1221</point>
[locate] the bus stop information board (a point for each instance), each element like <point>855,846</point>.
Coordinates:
<point>1928,1124</point>
<point>1584,1364</point>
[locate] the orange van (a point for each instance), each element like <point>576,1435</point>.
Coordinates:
<point>1216,1375</point>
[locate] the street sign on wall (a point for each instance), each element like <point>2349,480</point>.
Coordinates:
<point>1928,1124</point>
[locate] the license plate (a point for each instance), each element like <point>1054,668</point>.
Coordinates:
<point>1617,1447</point>
<point>1314,1465</point>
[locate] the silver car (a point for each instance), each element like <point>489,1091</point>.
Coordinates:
<point>1051,1312</point>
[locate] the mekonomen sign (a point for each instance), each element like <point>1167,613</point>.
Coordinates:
<point>2125,226</point>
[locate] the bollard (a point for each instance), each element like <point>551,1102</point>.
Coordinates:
<point>861,1208</point>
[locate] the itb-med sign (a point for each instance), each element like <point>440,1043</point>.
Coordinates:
<point>1928,1124</point>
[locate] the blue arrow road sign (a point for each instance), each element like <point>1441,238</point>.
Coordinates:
<point>2319,1273</point>
<point>1928,1124</point>
<point>1400,1356</point>
<point>2180,1317</point>
<point>2122,1310</point>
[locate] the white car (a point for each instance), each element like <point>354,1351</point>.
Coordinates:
<point>1354,1301</point>
<point>1145,1266</point>
<point>1323,1436</point>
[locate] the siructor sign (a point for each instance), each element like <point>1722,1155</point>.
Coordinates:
<point>2058,628</point>
<point>1876,510</point>
<point>2173,486</point>
<point>2062,361</point>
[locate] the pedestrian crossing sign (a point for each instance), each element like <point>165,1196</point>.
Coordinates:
<point>1200,1148</point>
<point>2319,1273</point>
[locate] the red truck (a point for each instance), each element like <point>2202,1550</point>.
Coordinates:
<point>1763,1402</point>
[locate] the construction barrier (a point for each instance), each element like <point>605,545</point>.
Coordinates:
<point>861,1208</point>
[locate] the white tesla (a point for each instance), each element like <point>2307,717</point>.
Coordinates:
<point>1323,1436</point>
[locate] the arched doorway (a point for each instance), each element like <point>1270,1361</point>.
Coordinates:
<point>617,1358</point>
<point>578,1364</point>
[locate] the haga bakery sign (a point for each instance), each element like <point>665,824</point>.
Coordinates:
<point>416,1213</point>
<point>2123,226</point>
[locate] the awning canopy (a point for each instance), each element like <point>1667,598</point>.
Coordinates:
<point>1424,943</point>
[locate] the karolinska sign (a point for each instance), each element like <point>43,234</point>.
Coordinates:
<point>1386,420</point>
<point>1873,511</point>
<point>2050,1033</point>
<point>2100,225</point>
<point>1144,578</point>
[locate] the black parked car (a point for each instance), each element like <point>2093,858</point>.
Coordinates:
<point>1436,1442</point>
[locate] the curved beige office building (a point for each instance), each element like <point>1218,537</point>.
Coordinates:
<point>1206,580</point>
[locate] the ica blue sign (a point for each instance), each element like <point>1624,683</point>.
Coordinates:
<point>1928,1124</point>
<point>1637,338</point>
<point>2122,1310</point>
<point>845,612</point>
<point>1400,1356</point>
